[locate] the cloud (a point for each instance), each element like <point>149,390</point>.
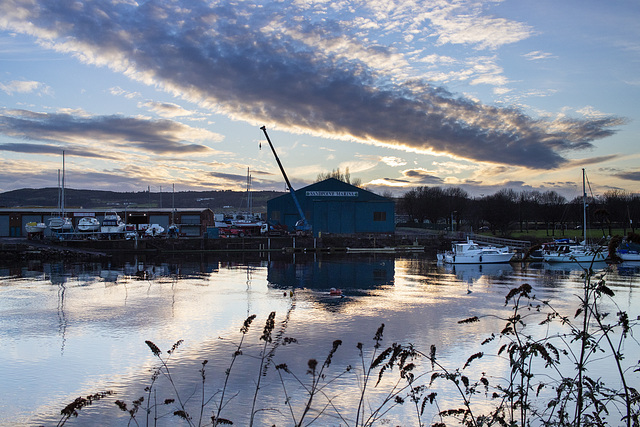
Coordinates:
<point>593,160</point>
<point>386,183</point>
<point>537,55</point>
<point>166,109</point>
<point>393,161</point>
<point>154,136</point>
<point>230,177</point>
<point>118,91</point>
<point>259,64</point>
<point>22,86</point>
<point>422,177</point>
<point>631,175</point>
<point>52,149</point>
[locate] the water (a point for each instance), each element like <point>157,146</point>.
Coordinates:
<point>74,330</point>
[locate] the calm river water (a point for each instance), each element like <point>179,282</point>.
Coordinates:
<point>70,330</point>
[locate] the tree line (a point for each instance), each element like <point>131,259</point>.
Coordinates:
<point>508,210</point>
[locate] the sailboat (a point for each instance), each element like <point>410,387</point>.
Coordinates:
<point>580,252</point>
<point>60,223</point>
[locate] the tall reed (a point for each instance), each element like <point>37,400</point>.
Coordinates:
<point>552,377</point>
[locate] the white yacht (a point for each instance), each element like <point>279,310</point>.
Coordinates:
<point>470,252</point>
<point>581,252</point>
<point>112,223</point>
<point>88,223</point>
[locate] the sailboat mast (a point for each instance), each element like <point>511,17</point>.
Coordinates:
<point>584,207</point>
<point>59,195</point>
<point>62,202</point>
<point>249,200</point>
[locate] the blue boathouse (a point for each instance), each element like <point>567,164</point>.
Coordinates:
<point>333,206</point>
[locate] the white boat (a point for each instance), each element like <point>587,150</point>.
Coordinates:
<point>88,223</point>
<point>470,252</point>
<point>60,224</point>
<point>628,251</point>
<point>536,253</point>
<point>35,227</point>
<point>112,223</point>
<point>154,230</point>
<point>581,252</point>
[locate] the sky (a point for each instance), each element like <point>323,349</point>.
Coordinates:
<point>169,94</point>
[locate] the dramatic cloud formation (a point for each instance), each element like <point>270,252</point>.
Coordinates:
<point>307,74</point>
<point>154,136</point>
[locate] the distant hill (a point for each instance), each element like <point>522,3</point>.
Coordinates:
<point>97,199</point>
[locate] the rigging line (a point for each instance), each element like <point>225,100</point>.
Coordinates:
<point>589,185</point>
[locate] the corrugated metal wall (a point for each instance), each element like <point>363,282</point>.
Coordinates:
<point>329,211</point>
<point>4,226</point>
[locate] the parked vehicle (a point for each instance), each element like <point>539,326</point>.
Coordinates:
<point>273,230</point>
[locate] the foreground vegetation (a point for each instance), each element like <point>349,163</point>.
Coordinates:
<point>553,362</point>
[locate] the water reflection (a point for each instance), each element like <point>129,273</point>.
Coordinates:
<point>346,273</point>
<point>470,273</point>
<point>74,329</point>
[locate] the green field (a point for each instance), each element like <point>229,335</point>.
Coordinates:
<point>592,234</point>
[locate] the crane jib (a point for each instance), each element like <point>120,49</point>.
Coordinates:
<point>304,224</point>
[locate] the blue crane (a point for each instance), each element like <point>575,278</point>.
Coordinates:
<point>302,224</point>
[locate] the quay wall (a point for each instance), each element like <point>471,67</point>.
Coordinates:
<point>22,248</point>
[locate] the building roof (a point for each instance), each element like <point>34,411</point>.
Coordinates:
<point>337,190</point>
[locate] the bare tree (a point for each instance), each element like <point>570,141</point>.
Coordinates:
<point>344,177</point>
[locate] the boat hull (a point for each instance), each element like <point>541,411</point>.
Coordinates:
<point>60,224</point>
<point>575,256</point>
<point>629,255</point>
<point>35,227</point>
<point>470,252</point>
<point>88,224</point>
<point>112,229</point>
<point>112,223</point>
<point>450,258</point>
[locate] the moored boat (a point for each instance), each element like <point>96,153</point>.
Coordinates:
<point>154,230</point>
<point>628,251</point>
<point>537,253</point>
<point>88,223</point>
<point>112,223</point>
<point>581,252</point>
<point>470,252</point>
<point>60,224</point>
<point>35,227</point>
<point>576,253</point>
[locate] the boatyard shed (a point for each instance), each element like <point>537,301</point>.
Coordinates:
<point>333,206</point>
<point>190,221</point>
